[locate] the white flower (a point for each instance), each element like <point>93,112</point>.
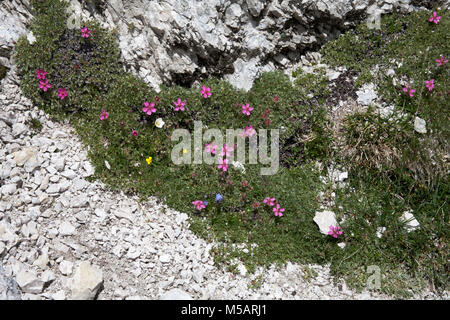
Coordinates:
<point>159,123</point>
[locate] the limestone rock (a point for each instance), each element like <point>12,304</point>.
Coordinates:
<point>18,129</point>
<point>42,261</point>
<point>8,189</point>
<point>9,289</point>
<point>23,156</point>
<point>165,258</point>
<point>255,6</point>
<point>29,282</point>
<point>410,221</point>
<point>66,267</point>
<point>380,231</point>
<point>12,26</point>
<point>66,229</point>
<point>420,125</point>
<point>366,95</point>
<point>176,294</point>
<point>86,282</point>
<point>324,220</point>
<point>48,276</point>
<point>233,15</point>
<point>60,295</point>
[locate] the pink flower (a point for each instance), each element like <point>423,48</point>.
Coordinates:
<point>44,85</point>
<point>206,92</point>
<point>85,32</point>
<point>149,108</point>
<point>226,150</point>
<point>429,84</point>
<point>199,205</point>
<point>334,231</point>
<point>179,105</point>
<point>248,132</point>
<point>269,201</point>
<point>256,204</point>
<point>104,115</point>
<point>62,93</point>
<point>435,18</point>
<point>246,108</point>
<point>223,164</point>
<point>134,133</point>
<point>40,74</point>
<point>278,211</point>
<point>441,61</point>
<point>210,147</point>
<point>409,91</point>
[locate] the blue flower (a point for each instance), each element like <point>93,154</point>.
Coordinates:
<point>219,197</point>
<point>205,203</point>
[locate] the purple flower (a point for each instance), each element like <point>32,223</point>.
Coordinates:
<point>85,32</point>
<point>210,147</point>
<point>40,74</point>
<point>44,85</point>
<point>435,18</point>
<point>409,91</point>
<point>206,92</point>
<point>179,105</point>
<point>335,231</point>
<point>199,205</point>
<point>226,150</point>
<point>278,211</point>
<point>246,108</point>
<point>441,61</point>
<point>429,84</point>
<point>104,115</point>
<point>269,201</point>
<point>223,164</point>
<point>248,132</point>
<point>62,93</point>
<point>149,108</point>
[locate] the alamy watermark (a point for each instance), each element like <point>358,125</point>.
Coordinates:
<point>235,139</point>
<point>74,20</point>
<point>373,21</point>
<point>374,281</point>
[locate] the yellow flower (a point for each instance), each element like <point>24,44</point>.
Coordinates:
<point>149,160</point>
<point>185,151</point>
